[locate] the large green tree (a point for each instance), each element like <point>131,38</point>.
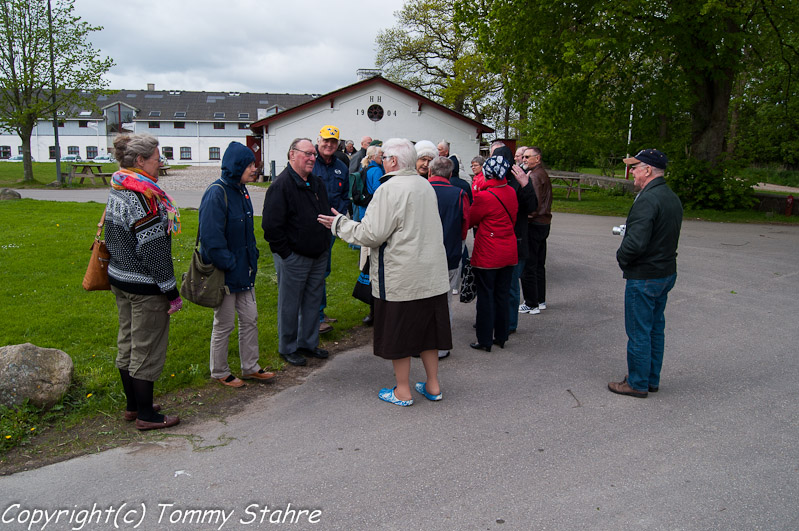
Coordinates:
<point>426,52</point>
<point>585,62</point>
<point>25,76</point>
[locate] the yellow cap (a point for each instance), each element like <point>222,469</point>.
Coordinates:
<point>329,131</point>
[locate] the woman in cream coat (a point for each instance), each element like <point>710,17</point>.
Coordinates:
<point>408,269</point>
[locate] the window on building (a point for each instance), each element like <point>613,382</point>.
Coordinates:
<point>185,153</point>
<point>51,149</point>
<point>244,116</point>
<point>219,115</point>
<point>5,152</point>
<point>91,152</point>
<point>154,125</point>
<point>60,123</point>
<point>73,150</point>
<point>83,123</point>
<point>213,153</point>
<point>219,125</point>
<point>155,114</point>
<point>243,126</point>
<point>180,114</point>
<point>180,125</point>
<point>19,150</point>
<point>167,153</point>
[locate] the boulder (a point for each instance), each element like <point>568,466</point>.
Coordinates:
<point>8,193</point>
<point>39,374</point>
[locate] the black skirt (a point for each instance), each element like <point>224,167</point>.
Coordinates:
<point>402,329</point>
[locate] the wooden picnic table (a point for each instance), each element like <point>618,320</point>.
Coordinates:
<point>162,170</point>
<point>571,181</point>
<point>87,169</point>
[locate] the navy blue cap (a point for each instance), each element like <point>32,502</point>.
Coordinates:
<point>650,157</point>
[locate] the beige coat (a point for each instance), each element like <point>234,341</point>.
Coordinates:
<point>403,230</point>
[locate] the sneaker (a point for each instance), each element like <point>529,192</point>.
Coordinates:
<point>526,309</point>
<point>542,306</point>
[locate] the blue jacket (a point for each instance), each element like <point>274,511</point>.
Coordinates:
<point>374,172</point>
<point>227,233</point>
<point>336,177</point>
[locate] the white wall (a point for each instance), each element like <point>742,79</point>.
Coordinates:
<point>402,119</point>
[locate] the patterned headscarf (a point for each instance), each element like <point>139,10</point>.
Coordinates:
<point>496,168</point>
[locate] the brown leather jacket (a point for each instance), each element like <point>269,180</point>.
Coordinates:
<point>543,190</point>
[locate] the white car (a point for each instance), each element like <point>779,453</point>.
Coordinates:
<point>104,159</point>
<point>71,158</point>
<point>17,158</point>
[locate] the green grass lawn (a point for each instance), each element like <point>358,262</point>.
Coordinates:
<point>44,173</point>
<point>44,248</point>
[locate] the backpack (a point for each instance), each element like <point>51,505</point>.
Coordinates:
<point>359,192</point>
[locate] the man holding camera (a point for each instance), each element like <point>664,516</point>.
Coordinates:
<point>648,257</point>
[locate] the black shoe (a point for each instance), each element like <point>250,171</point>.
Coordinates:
<point>500,344</point>
<point>511,331</point>
<point>293,358</point>
<point>478,346</point>
<point>315,353</point>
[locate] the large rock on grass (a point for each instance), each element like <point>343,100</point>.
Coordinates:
<point>39,374</point>
<point>8,193</point>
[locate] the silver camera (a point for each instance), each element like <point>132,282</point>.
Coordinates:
<point>620,230</point>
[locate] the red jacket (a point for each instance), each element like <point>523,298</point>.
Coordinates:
<point>495,242</point>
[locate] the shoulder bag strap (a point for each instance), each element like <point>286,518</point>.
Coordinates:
<point>100,226</point>
<point>197,241</point>
<point>503,205</point>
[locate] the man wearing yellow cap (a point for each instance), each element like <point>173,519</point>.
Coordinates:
<point>336,177</point>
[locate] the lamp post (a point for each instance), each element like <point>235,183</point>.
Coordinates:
<point>59,177</point>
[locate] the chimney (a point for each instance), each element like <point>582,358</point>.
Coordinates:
<point>151,87</point>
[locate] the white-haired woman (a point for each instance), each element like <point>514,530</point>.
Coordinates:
<point>408,266</point>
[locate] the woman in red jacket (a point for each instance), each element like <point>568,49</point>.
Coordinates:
<point>494,214</point>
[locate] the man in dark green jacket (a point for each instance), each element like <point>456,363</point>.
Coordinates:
<point>648,258</point>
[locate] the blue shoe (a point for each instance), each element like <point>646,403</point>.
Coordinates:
<point>387,395</point>
<point>421,387</point>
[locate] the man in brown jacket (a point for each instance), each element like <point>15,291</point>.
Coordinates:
<point>538,223</point>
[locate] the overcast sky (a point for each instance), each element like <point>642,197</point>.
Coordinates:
<point>273,46</point>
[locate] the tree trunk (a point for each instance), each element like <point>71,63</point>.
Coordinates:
<point>25,132</point>
<point>709,117</point>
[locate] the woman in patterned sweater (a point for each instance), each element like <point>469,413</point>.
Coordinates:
<point>140,219</point>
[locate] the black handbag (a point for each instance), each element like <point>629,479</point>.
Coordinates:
<point>363,287</point>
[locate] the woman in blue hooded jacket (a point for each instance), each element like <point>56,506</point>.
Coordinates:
<point>227,240</point>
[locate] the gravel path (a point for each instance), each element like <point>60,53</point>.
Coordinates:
<point>191,178</point>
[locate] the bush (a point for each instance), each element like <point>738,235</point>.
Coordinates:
<point>702,186</point>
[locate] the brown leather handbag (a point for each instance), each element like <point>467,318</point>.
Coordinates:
<point>96,277</point>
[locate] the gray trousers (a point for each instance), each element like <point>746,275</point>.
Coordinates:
<point>242,302</point>
<point>300,287</point>
<point>143,334</point>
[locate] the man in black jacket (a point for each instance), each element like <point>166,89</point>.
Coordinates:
<point>648,257</point>
<point>300,247</point>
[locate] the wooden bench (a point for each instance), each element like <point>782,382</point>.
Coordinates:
<point>571,181</point>
<point>163,170</point>
<point>87,170</point>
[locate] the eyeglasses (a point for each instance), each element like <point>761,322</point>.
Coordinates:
<point>307,153</point>
<point>528,156</point>
<point>639,165</point>
<point>386,158</point>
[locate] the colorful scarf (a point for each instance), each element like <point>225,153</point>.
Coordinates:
<point>136,180</point>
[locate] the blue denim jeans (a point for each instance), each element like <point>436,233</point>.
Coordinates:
<point>644,304</point>
<point>515,292</point>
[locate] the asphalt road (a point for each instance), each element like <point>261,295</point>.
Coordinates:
<point>526,438</point>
